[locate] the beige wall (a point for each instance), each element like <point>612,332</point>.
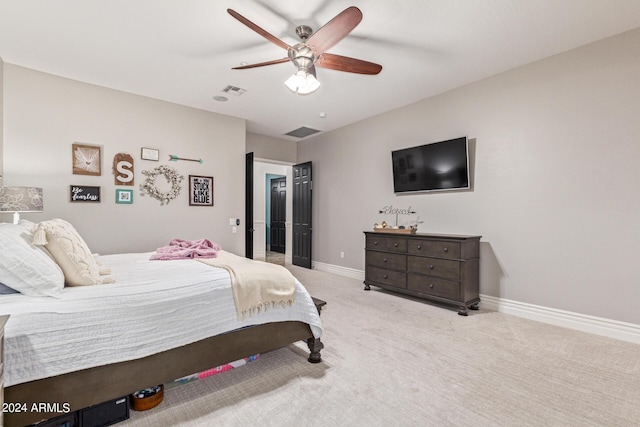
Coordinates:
<point>45,114</point>
<point>1,116</point>
<point>556,198</point>
<point>264,147</point>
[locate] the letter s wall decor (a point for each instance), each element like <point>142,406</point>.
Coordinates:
<point>123,169</point>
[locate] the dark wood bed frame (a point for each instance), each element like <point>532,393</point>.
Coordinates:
<point>88,387</point>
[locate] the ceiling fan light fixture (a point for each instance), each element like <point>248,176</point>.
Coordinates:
<point>312,51</point>
<point>302,82</point>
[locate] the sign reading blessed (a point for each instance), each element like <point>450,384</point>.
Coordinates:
<point>200,190</point>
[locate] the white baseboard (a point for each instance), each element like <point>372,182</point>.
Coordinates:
<point>595,325</point>
<point>339,270</point>
<point>623,331</point>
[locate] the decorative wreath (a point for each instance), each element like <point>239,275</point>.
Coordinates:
<point>149,187</point>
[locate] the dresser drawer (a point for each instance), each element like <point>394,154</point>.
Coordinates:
<point>386,243</point>
<point>434,248</point>
<point>445,268</point>
<point>435,287</point>
<point>397,279</point>
<point>387,260</point>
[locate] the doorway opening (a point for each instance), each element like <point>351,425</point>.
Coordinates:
<point>276,218</point>
<point>272,213</point>
<point>298,226</point>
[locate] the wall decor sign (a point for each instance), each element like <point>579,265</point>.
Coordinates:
<point>150,154</point>
<point>84,193</point>
<point>200,190</point>
<point>123,169</point>
<point>86,159</point>
<point>175,158</point>
<point>411,226</point>
<point>124,196</point>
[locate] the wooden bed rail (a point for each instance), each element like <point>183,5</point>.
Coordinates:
<point>89,387</point>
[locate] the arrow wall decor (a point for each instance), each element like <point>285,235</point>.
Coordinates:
<point>174,158</point>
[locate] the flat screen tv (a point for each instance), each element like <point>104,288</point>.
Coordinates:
<point>440,166</point>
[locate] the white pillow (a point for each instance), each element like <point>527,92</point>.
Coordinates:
<point>70,252</point>
<point>27,268</point>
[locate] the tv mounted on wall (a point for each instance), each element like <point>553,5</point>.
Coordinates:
<point>440,166</point>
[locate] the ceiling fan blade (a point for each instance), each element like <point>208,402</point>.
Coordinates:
<point>345,63</point>
<point>273,39</point>
<point>261,64</point>
<point>335,30</point>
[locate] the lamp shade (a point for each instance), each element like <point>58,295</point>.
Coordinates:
<point>302,83</point>
<point>20,199</point>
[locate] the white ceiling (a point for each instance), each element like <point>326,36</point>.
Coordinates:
<point>182,51</point>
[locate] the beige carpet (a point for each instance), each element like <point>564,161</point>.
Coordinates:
<point>394,361</point>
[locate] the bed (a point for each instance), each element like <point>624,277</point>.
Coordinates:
<point>144,322</point>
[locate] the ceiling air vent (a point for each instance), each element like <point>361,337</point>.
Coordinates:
<point>302,132</point>
<point>234,90</point>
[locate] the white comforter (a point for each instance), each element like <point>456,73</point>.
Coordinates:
<point>152,307</point>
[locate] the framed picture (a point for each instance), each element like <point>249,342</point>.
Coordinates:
<point>84,193</point>
<point>200,190</point>
<point>86,159</point>
<point>150,154</point>
<point>124,196</point>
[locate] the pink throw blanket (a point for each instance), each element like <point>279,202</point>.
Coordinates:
<point>183,249</point>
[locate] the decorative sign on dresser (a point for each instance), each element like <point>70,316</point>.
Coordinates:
<point>438,267</point>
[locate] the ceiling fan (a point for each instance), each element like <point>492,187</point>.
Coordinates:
<point>312,52</point>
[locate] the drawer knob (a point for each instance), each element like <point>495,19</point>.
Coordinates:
<point>431,285</point>
<point>431,266</point>
<point>419,246</point>
<point>446,249</point>
<point>395,245</point>
<point>385,276</point>
<point>384,260</point>
<point>375,243</point>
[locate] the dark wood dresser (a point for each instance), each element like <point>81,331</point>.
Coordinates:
<point>437,267</point>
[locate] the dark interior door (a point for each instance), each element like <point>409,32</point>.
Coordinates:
<point>302,190</point>
<point>248,206</point>
<point>278,214</point>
